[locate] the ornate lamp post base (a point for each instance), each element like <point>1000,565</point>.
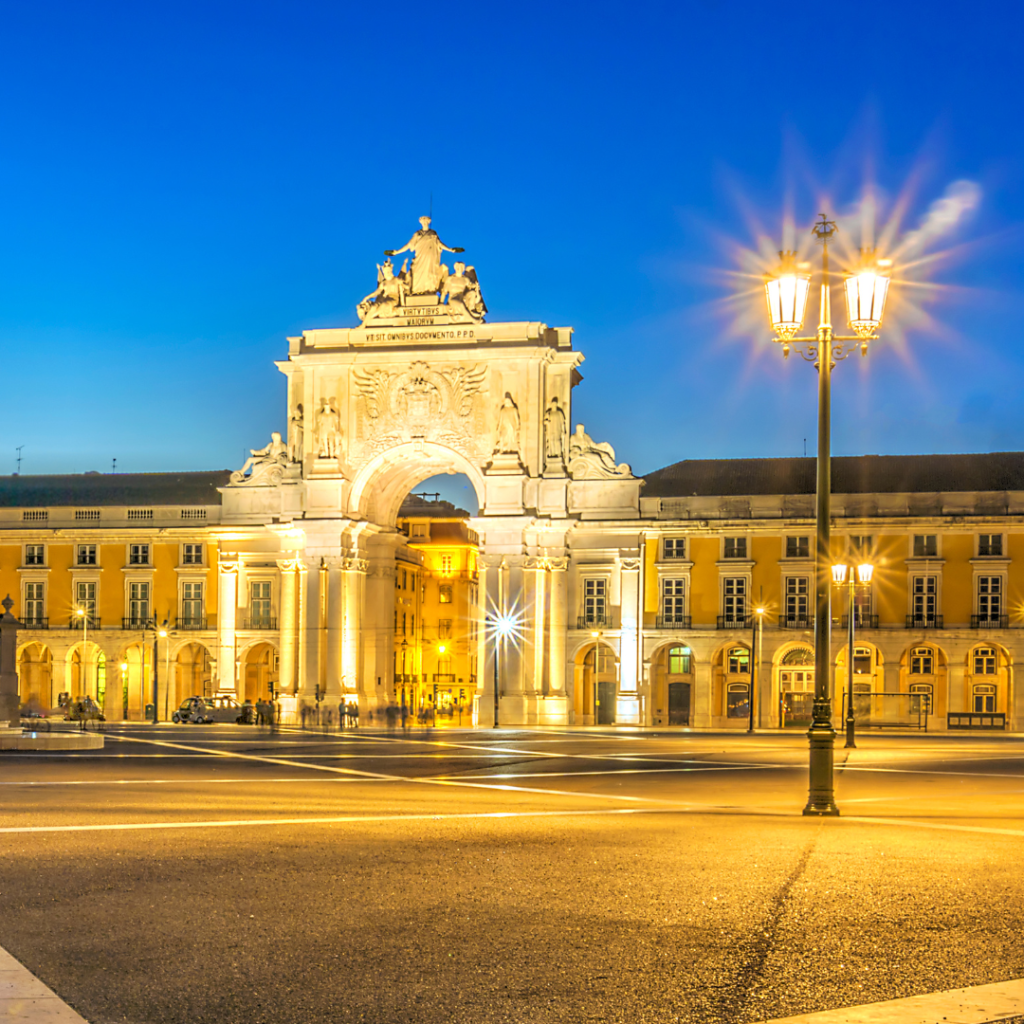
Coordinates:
<point>820,800</point>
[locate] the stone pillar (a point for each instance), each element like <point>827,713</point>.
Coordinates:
<point>627,710</point>
<point>378,632</point>
<point>309,673</point>
<point>333,627</point>
<point>353,594</point>
<point>559,625</point>
<point>957,699</point>
<point>289,609</point>
<point>227,604</point>
<point>702,677</point>
<point>10,708</point>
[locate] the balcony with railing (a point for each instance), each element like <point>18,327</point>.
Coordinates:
<point>924,622</point>
<point>79,621</point>
<point>35,622</point>
<point>731,622</point>
<point>862,620</point>
<point>594,620</point>
<point>990,621</point>
<point>190,622</point>
<point>257,622</point>
<point>136,622</point>
<point>673,622</point>
<point>444,678</point>
<point>796,622</point>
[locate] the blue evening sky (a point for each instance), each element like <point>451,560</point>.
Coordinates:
<point>185,184</point>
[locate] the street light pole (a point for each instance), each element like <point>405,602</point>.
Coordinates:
<point>786,292</point>
<point>758,625</point>
<point>497,648</point>
<point>851,742</point>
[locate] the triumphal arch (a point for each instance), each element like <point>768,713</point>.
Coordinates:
<point>428,384</point>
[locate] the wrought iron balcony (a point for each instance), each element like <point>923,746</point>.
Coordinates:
<point>447,678</point>
<point>35,622</point>
<point>137,622</point>
<point>673,622</point>
<point>796,622</point>
<point>191,622</point>
<point>77,621</point>
<point>261,622</point>
<point>593,620</point>
<point>924,622</point>
<point>862,620</point>
<point>728,622</point>
<point>990,621</point>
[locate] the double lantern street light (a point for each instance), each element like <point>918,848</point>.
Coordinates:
<point>787,291</point>
<point>851,576</point>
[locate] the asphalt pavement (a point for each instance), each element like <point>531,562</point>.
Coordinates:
<point>195,874</point>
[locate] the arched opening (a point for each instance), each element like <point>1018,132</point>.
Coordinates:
<point>672,689</point>
<point>260,672</point>
<point>987,680</point>
<point>87,672</point>
<point>795,671</point>
<point>871,704</point>
<point>135,672</point>
<point>191,674</point>
<point>924,676</point>
<point>730,685</point>
<point>595,684</point>
<point>35,678</point>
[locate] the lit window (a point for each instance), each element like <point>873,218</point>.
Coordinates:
<point>922,661</point>
<point>679,661</point>
<point>920,698</point>
<point>445,593</point>
<point>736,700</point>
<point>739,661</point>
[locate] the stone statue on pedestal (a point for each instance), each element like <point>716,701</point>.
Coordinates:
<point>507,435</point>
<point>428,272</point>
<point>463,292</point>
<point>296,434</point>
<point>390,293</point>
<point>266,464</point>
<point>591,460</point>
<point>554,436</point>
<point>328,430</point>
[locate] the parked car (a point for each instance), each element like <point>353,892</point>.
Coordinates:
<point>204,710</point>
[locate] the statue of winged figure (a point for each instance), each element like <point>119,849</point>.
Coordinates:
<point>463,291</point>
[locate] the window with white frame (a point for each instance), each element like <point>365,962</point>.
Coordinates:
<point>984,699</point>
<point>595,600</point>
<point>191,604</point>
<point>922,661</point>
<point>734,599</point>
<point>863,662</point>
<point>85,601</point>
<point>798,547</point>
<point>191,554</point>
<point>138,603</point>
<point>920,698</point>
<point>984,661</point>
<point>674,547</point>
<point>736,700</point>
<point>735,547</point>
<point>990,544</point>
<point>924,592</point>
<point>35,554</point>
<point>138,554</point>
<point>85,554</point>
<point>679,661</point>
<point>862,606</point>
<point>33,614</point>
<point>926,545</point>
<point>738,660</point>
<point>797,588</point>
<point>990,598</point>
<point>673,601</point>
<point>259,604</point>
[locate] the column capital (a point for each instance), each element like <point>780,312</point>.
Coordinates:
<point>355,564</point>
<point>629,564</point>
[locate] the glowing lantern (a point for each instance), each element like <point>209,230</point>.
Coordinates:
<point>866,290</point>
<point>786,292</point>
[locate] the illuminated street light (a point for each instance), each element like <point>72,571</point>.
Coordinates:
<point>866,291</point>
<point>504,626</point>
<point>857,575</point>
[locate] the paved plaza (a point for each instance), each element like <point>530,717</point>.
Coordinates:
<point>225,874</point>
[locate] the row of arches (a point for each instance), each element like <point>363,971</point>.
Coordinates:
<point>122,686</point>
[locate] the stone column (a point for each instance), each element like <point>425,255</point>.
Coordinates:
<point>353,593</point>
<point>559,625</point>
<point>227,604</point>
<point>333,627</point>
<point>10,708</point>
<point>628,703</point>
<point>289,607</point>
<point>702,677</point>
<point>957,698</point>
<point>311,634</point>
<point>377,620</point>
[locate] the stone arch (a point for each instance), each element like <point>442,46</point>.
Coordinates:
<point>133,672</point>
<point>925,677</point>
<point>792,684</point>
<point>672,685</point>
<point>258,671</point>
<point>988,679</point>
<point>86,671</point>
<point>35,676</point>
<point>730,684</point>
<point>191,671</point>
<point>595,682</point>
<point>380,487</point>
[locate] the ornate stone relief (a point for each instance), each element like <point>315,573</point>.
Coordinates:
<point>419,403</point>
<point>590,460</point>
<point>267,466</point>
<point>417,294</point>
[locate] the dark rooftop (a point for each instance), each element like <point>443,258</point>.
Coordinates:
<point>100,489</point>
<point>416,504</point>
<point>861,474</point>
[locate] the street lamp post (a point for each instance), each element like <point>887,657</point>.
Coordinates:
<point>504,626</point>
<point>754,662</point>
<point>857,574</point>
<point>83,613</point>
<point>786,292</point>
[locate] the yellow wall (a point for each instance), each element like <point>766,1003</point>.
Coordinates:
<point>704,599</point>
<point>957,577</point>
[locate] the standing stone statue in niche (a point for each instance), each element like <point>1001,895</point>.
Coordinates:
<point>328,430</point>
<point>463,292</point>
<point>554,435</point>
<point>295,435</point>
<point>266,464</point>
<point>428,273</point>
<point>507,437</point>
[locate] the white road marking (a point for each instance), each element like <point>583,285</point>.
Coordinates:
<point>24,998</point>
<point>910,823</point>
<point>980,1004</point>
